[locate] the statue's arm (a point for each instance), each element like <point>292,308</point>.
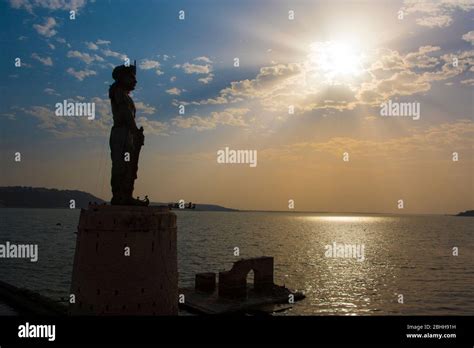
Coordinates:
<point>124,112</point>
<point>127,116</point>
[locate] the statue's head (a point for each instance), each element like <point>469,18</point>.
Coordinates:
<point>125,76</point>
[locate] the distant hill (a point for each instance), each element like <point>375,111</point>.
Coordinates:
<point>39,197</point>
<point>201,207</point>
<point>466,213</point>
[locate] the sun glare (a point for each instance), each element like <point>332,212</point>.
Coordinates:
<point>343,218</point>
<point>336,60</point>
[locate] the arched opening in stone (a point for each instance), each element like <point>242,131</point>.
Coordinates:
<point>250,280</point>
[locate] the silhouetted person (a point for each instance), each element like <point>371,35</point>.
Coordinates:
<point>126,139</point>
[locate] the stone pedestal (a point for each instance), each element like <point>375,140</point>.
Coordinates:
<point>125,262</point>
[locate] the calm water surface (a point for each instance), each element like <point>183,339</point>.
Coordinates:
<point>408,255</point>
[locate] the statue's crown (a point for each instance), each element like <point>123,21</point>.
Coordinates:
<point>123,69</point>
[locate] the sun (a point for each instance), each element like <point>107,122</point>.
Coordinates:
<point>335,60</point>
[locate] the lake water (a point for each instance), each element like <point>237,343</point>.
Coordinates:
<point>403,255</point>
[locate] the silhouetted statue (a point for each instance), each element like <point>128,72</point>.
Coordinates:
<point>126,139</point>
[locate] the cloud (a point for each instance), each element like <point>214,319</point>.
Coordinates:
<point>53,5</point>
<point>85,57</point>
<point>405,81</point>
<point>109,53</point>
<point>435,140</point>
<point>421,59</point>
<point>47,29</point>
<point>45,61</point>
<point>19,4</point>
<point>448,70</point>
<point>387,74</point>
<point>147,64</point>
<point>436,21</point>
<point>270,81</point>
<point>102,42</point>
<point>153,127</point>
<point>174,91</point>
<point>81,74</point>
<point>387,59</point>
<point>400,84</point>
<point>62,41</point>
<point>50,91</point>
<point>229,116</point>
<point>190,68</point>
<point>436,14</point>
<point>469,82</point>
<point>9,116</point>
<point>172,78</point>
<point>46,116</point>
<point>338,97</point>
<point>203,59</point>
<point>92,46</point>
<point>73,127</point>
<point>145,108</point>
<point>469,37</point>
<point>206,79</point>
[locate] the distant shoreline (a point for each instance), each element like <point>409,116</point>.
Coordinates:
<point>229,210</point>
<point>25,197</point>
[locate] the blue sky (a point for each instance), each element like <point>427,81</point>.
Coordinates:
<point>190,62</point>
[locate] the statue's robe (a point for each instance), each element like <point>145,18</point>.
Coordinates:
<point>125,143</point>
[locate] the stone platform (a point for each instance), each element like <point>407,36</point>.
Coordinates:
<point>273,300</point>
<point>125,262</point>
<point>233,295</point>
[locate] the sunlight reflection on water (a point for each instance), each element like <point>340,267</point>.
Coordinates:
<point>343,218</point>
